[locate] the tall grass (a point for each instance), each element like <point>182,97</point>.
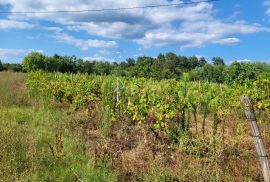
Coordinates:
<point>12,90</point>
<point>38,144</point>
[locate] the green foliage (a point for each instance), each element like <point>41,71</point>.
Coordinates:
<point>38,144</point>
<point>218,61</point>
<point>235,73</point>
<point>36,151</point>
<point>12,67</point>
<point>163,101</point>
<point>210,73</point>
<point>1,66</point>
<point>33,62</point>
<point>240,72</point>
<point>165,66</point>
<point>202,62</point>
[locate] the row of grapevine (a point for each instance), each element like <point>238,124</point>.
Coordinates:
<point>148,100</point>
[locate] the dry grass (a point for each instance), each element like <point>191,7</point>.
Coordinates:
<point>12,89</point>
<point>139,155</point>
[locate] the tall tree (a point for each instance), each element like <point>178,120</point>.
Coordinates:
<point>130,62</point>
<point>50,64</point>
<point>101,68</point>
<point>172,62</point>
<point>160,61</point>
<point>34,61</point>
<point>193,62</point>
<point>183,63</point>
<point>202,61</point>
<point>218,61</point>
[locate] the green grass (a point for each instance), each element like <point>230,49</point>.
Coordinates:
<point>29,150</point>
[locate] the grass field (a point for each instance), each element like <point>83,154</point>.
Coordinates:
<point>40,142</point>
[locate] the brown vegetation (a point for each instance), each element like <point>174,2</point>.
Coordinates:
<point>141,155</point>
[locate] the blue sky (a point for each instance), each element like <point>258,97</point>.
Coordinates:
<point>232,29</point>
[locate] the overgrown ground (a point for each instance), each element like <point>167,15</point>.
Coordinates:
<point>40,142</point>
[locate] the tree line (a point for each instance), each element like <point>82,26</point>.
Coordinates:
<point>164,66</point>
<point>10,67</point>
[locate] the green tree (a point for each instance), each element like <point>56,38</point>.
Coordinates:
<point>173,64</point>
<point>87,67</point>
<point>130,62</point>
<point>239,72</point>
<point>160,61</point>
<point>66,64</point>
<point>262,67</point>
<point>12,67</point>
<point>183,63</point>
<point>218,61</point>
<point>50,64</point>
<point>202,62</point>
<point>33,61</point>
<point>143,67</point>
<point>193,62</point>
<point>208,72</point>
<point>101,68</point>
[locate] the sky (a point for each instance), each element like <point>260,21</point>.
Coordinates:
<point>231,29</point>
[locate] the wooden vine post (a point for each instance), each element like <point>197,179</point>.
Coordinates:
<point>257,137</point>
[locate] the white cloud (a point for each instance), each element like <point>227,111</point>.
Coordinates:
<point>138,55</point>
<point>108,52</point>
<point>12,24</point>
<point>85,44</point>
<point>267,4</point>
<point>199,33</point>
<point>111,29</point>
<point>228,41</point>
<point>245,60</point>
<point>183,26</point>
<point>199,56</point>
<point>15,55</point>
<point>55,29</point>
<point>34,50</point>
<point>97,57</point>
<point>6,53</point>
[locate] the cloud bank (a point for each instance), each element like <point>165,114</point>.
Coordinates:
<point>183,26</point>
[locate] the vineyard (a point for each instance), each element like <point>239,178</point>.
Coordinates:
<point>134,91</point>
<point>193,130</point>
<point>146,99</point>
